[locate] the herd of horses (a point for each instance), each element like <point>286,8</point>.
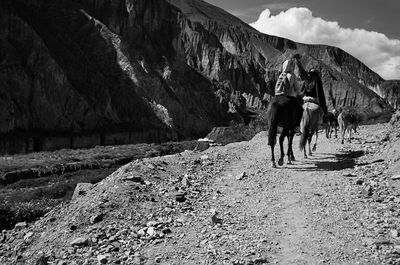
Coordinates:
<point>284,112</point>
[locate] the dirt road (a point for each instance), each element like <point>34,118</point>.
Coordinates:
<point>306,213</point>
<point>237,210</point>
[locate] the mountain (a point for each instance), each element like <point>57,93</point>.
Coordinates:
<point>82,73</point>
<point>390,91</point>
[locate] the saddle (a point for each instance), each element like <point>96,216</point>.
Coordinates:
<point>307,99</point>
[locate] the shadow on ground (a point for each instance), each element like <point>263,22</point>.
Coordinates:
<point>344,160</point>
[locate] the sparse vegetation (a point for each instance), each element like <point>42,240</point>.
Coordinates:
<point>28,199</point>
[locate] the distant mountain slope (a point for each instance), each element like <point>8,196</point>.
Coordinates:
<point>390,91</point>
<point>88,72</point>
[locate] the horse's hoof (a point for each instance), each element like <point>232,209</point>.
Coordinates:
<point>292,158</point>
<point>289,163</point>
<point>280,162</point>
<point>314,149</point>
<point>273,165</point>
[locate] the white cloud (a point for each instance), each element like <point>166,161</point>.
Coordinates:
<point>253,11</point>
<point>374,49</point>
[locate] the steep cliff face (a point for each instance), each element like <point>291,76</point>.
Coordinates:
<point>172,68</point>
<point>390,91</point>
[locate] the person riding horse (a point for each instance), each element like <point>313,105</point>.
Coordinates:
<point>284,110</point>
<point>313,91</point>
<point>315,110</point>
<point>292,88</point>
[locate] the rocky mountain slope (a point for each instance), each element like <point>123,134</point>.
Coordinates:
<point>390,91</point>
<point>84,73</point>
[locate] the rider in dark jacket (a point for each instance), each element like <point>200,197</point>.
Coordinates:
<point>313,91</point>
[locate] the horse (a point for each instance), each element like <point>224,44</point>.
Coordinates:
<point>310,122</point>
<point>285,112</point>
<point>347,122</point>
<point>332,123</point>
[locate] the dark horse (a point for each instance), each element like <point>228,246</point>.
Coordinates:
<point>332,123</point>
<point>284,112</point>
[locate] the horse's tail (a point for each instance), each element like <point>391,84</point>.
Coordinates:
<point>273,123</point>
<point>305,126</point>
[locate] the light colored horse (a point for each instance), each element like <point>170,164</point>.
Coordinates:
<point>310,123</point>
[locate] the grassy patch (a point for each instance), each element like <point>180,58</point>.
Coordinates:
<point>28,199</point>
<point>12,213</point>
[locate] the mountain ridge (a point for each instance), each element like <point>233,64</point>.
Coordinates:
<point>113,72</point>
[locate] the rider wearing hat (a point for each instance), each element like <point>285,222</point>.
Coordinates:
<point>313,91</point>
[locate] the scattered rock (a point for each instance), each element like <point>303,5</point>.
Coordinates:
<point>151,166</point>
<point>394,233</point>
<point>185,182</point>
<point>28,236</point>
<point>396,177</point>
<point>136,179</point>
<point>349,175</point>
<point>96,218</point>
<point>21,225</point>
<point>241,176</point>
<point>151,231</point>
<point>380,242</point>
<point>204,157</point>
<point>259,261</point>
<point>153,223</point>
<point>180,196</point>
<point>80,241</point>
<point>367,190</point>
<point>42,260</point>
<point>215,219</point>
<point>142,232</point>
<point>102,259</point>
<point>81,190</point>
<point>359,181</point>
<point>166,231</point>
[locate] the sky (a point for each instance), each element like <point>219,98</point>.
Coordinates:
<point>367,29</point>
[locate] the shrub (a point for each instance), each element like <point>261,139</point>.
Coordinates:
<point>12,213</point>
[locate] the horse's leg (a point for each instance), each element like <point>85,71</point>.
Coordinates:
<point>350,135</point>
<point>327,130</point>
<point>316,139</point>
<point>289,159</point>
<point>281,139</point>
<point>290,148</point>
<point>343,133</point>
<point>336,131</point>
<point>309,144</point>
<point>273,156</point>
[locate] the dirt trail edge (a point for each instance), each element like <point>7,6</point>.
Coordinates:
<point>222,206</point>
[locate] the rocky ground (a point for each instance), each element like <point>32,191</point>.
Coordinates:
<point>32,184</point>
<point>226,205</point>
